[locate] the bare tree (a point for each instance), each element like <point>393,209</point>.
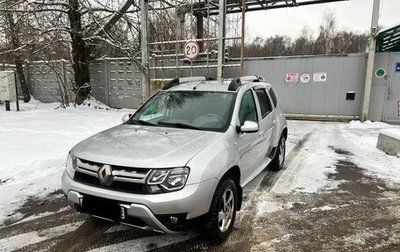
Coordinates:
<point>303,45</point>
<point>327,31</point>
<point>76,26</point>
<point>329,41</point>
<point>13,33</point>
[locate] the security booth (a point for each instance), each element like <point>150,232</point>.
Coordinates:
<point>8,88</point>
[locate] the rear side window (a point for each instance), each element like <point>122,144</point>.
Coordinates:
<point>265,104</point>
<point>273,97</point>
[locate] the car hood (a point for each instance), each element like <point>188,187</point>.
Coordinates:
<point>144,146</point>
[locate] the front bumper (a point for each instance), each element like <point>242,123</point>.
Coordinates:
<point>193,201</point>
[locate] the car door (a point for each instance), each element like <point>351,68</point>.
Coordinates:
<point>267,121</point>
<point>249,144</point>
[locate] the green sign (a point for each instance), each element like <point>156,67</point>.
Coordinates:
<point>380,73</point>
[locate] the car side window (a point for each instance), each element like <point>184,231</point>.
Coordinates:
<point>273,97</point>
<point>265,103</point>
<point>247,111</point>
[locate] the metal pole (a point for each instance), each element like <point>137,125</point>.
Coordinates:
<point>200,29</point>
<point>242,39</point>
<point>16,91</point>
<point>145,49</point>
<point>371,61</point>
<point>221,35</point>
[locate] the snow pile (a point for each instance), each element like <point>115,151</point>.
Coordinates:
<point>34,144</point>
<point>365,125</point>
<point>91,102</point>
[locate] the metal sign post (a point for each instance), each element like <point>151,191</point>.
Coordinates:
<point>16,91</point>
<point>221,40</point>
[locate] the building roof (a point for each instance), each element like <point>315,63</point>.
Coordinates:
<point>388,40</point>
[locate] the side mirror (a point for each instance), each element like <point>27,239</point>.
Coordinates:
<point>126,117</point>
<point>249,127</point>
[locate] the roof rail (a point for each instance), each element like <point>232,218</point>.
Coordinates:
<point>253,78</point>
<point>235,84</point>
<point>178,81</point>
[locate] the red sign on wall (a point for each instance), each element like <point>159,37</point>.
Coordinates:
<point>292,77</point>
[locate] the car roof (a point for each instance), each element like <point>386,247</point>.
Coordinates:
<point>220,85</point>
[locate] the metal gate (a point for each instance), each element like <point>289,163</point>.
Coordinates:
<point>392,103</point>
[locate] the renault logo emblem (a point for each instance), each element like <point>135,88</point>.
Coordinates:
<point>105,175</point>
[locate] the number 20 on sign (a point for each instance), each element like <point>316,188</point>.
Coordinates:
<point>191,50</point>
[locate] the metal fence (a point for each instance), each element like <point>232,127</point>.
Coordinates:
<point>117,82</point>
<point>321,86</point>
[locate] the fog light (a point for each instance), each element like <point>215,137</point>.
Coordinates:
<point>173,219</point>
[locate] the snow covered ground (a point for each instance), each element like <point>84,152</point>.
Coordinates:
<point>330,142</point>
<point>34,144</point>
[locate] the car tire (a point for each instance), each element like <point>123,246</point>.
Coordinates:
<point>279,158</point>
<point>222,212</point>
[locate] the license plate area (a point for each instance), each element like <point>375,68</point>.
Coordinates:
<point>103,207</point>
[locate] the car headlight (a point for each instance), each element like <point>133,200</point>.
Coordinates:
<point>71,165</point>
<point>169,179</point>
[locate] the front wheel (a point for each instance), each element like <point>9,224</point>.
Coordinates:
<point>223,211</point>
<point>279,159</point>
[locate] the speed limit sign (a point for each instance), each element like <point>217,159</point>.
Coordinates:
<point>191,50</point>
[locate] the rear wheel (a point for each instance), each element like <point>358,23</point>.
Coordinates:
<point>223,211</point>
<point>279,159</point>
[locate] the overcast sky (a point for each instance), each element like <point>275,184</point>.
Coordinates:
<point>354,15</point>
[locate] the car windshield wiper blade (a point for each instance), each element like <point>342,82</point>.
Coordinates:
<point>141,122</point>
<point>178,125</point>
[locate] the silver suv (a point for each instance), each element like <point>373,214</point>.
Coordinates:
<point>184,155</point>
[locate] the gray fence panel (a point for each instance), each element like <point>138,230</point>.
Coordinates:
<point>344,74</point>
<point>50,81</point>
<point>98,83</point>
<point>378,89</point>
<point>392,106</point>
<point>125,84</point>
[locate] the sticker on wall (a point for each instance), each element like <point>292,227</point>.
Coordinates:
<point>397,67</point>
<point>292,77</point>
<point>305,78</point>
<point>380,73</point>
<point>320,77</point>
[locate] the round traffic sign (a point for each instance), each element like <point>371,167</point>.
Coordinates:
<point>191,50</point>
<point>305,78</point>
<point>380,73</point>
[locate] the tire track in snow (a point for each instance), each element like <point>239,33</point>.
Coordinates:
<point>22,240</point>
<point>269,181</point>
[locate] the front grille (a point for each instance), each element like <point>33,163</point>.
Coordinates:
<point>116,185</point>
<point>124,179</point>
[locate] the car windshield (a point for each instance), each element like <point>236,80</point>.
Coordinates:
<point>202,110</point>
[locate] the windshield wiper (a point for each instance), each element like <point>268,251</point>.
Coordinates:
<point>178,125</point>
<point>141,122</point>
